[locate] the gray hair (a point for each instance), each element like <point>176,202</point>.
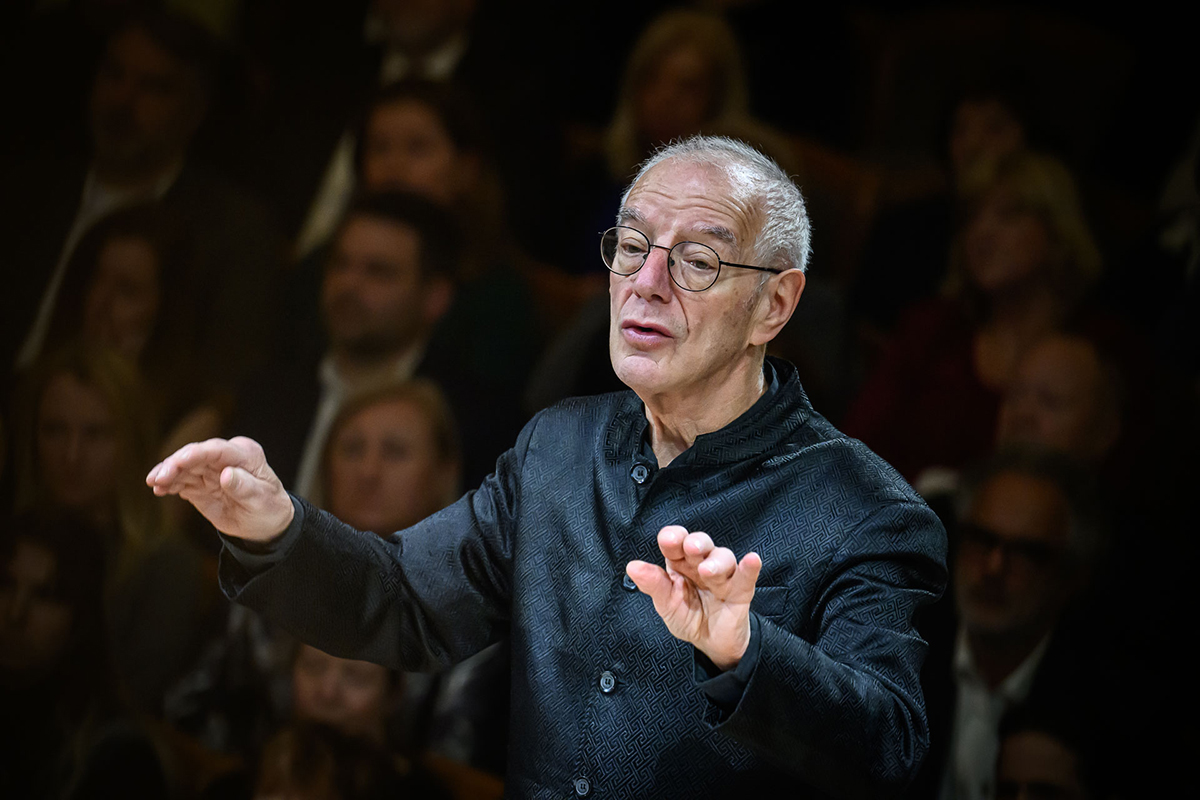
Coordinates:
<point>783,239</point>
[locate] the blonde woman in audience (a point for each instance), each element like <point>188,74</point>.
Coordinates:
<point>391,458</point>
<point>85,433</point>
<point>1021,267</point>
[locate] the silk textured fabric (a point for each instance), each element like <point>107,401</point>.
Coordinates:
<point>605,702</point>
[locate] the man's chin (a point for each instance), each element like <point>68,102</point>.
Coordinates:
<point>637,370</point>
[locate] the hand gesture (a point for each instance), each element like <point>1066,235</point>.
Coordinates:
<point>704,593</point>
<point>230,483</point>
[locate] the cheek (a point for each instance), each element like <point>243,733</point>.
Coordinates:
<point>49,629</point>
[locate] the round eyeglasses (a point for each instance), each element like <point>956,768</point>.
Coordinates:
<point>693,267</point>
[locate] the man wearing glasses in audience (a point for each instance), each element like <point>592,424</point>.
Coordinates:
<point>708,589</point>
<point>1028,538</point>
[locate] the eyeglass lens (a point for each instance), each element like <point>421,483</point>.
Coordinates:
<point>692,265</point>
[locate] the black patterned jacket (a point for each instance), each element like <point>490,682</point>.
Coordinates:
<point>605,702</point>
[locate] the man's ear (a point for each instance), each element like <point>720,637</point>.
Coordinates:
<point>777,305</point>
<point>439,294</point>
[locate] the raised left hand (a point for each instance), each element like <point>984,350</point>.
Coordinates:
<point>703,594</point>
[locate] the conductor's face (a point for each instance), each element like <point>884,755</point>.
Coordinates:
<point>664,340</point>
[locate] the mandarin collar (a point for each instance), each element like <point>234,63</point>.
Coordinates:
<point>782,408</point>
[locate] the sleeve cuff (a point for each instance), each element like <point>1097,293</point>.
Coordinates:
<point>253,556</point>
<point>725,688</point>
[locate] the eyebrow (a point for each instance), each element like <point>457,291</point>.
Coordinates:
<point>718,232</point>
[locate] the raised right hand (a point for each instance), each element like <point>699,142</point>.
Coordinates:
<point>230,483</point>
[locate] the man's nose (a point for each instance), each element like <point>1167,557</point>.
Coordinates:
<point>654,278</point>
<point>996,559</point>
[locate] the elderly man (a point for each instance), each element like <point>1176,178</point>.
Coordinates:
<point>799,662</point>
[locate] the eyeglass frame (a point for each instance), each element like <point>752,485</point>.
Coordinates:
<point>653,246</point>
<point>1037,555</point>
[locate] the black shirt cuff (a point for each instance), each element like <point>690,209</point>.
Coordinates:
<point>257,556</point>
<point>725,688</point>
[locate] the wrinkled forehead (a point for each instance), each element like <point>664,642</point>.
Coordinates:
<point>716,201</point>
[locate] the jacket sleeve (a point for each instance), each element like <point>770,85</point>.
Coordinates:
<point>844,707</point>
<point>426,597</point>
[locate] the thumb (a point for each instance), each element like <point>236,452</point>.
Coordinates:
<point>651,579</point>
<point>236,482</point>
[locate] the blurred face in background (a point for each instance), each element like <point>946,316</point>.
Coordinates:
<point>407,147</point>
<point>353,696</point>
<point>372,296</point>
<point>1007,248</point>
<point>1060,399</point>
<point>1010,578</point>
<point>1037,766</point>
<point>78,449</point>
<point>35,623</point>
<point>676,98</point>
<point>983,132</point>
<point>145,106</point>
<point>122,302</point>
<point>385,470</point>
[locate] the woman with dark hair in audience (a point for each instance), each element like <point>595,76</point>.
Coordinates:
<point>61,733</point>
<point>127,289</point>
<point>85,433</point>
<point>1021,267</point>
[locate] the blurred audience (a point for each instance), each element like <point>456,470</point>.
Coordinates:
<point>129,287</point>
<point>387,283</point>
<point>1045,754</point>
<point>392,460</point>
<point>425,137</point>
<point>148,97</point>
<point>144,287</point>
<point>1021,268</point>
<point>313,761</point>
<point>908,249</point>
<point>63,732</point>
<point>1063,397</point>
<point>85,438</point>
<point>1029,539</point>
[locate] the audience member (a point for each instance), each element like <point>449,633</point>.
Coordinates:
<point>85,433</point>
<point>1064,397</point>
<point>454,41</point>
<point>1027,543</point>
<point>387,283</point>
<point>392,460</point>
<point>62,733</point>
<point>684,76</point>
<point>129,287</point>
<point>1045,754</point>
<point>1021,267</point>
<point>424,137</point>
<point>313,761</point>
<point>907,251</point>
<point>148,97</point>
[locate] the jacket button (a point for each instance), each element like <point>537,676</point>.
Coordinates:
<point>582,787</point>
<point>608,682</point>
<point>639,473</point>
<point>628,583</point>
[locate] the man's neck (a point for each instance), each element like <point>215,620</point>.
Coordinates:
<point>997,657</point>
<point>356,368</point>
<point>678,418</point>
